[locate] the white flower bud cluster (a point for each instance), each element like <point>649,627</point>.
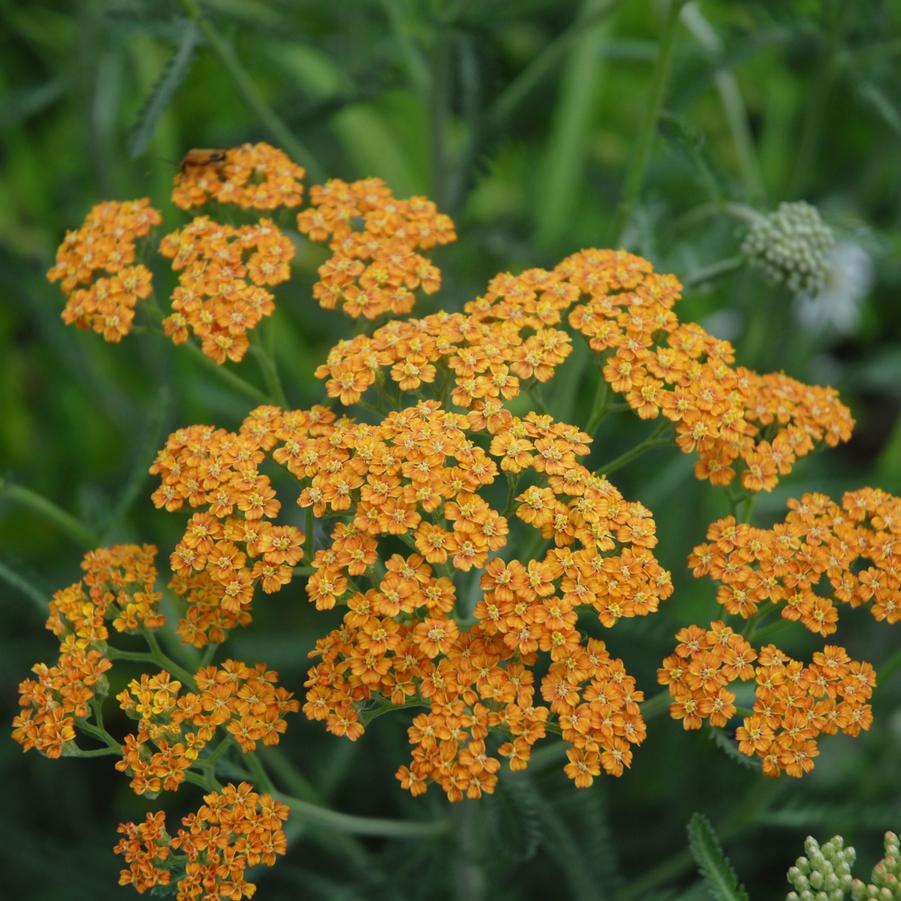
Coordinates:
<point>886,877</point>
<point>823,873</point>
<point>790,247</point>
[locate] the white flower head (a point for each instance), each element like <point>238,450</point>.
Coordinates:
<point>837,305</point>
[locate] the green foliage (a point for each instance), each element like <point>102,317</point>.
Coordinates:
<point>513,815</point>
<point>163,93</point>
<point>712,862</point>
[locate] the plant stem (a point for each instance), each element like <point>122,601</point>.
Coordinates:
<point>355,825</point>
<point>515,93</point>
<point>772,629</point>
<point>271,121</point>
<point>154,655</point>
<point>652,441</point>
<point>467,874</point>
<point>600,406</point>
<point>45,508</point>
<point>888,669</point>
<point>713,272</point>
<point>815,98</point>
<point>94,752</point>
<point>656,704</point>
<point>731,99</point>
<point>266,359</point>
<point>155,317</point>
<point>30,591</point>
<point>648,126</point>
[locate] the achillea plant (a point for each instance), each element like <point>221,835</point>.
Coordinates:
<point>464,538</point>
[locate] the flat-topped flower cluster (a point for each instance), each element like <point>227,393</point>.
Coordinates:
<point>471,552</point>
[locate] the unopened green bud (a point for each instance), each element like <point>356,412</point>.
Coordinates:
<point>790,247</point>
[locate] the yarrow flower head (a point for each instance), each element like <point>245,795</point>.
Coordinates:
<point>508,339</point>
<point>252,176</point>
<point>374,237</point>
<point>793,704</point>
<point>58,696</point>
<point>235,829</point>
<point>224,276</point>
<point>791,247</point>
<point>405,499</point>
<point>97,269</point>
<point>174,727</point>
<point>118,587</point>
<point>855,547</point>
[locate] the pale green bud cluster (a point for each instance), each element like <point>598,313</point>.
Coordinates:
<point>790,247</point>
<point>886,876</point>
<point>822,873</point>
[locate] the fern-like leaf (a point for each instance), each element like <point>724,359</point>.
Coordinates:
<point>712,862</point>
<point>513,817</point>
<point>164,90</point>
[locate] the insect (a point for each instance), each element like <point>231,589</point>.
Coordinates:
<point>201,157</point>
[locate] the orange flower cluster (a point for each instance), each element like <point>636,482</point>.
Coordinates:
<point>794,704</point>
<point>105,243</point>
<point>120,584</point>
<point>232,546</point>
<point>252,176</point>
<point>416,479</point>
<point>57,696</point>
<point>374,238</point>
<point>856,546</point>
<point>624,309</point>
<point>173,728</point>
<point>222,291</point>
<point>416,476</point>
<point>233,830</point>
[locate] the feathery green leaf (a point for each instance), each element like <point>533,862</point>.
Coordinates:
<point>712,862</point>
<point>164,90</point>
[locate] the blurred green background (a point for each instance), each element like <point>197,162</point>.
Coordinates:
<point>520,118</point>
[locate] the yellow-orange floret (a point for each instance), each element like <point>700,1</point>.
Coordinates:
<point>175,726</point>
<point>252,176</point>
<point>374,237</point>
<point>96,266</point>
<point>224,273</point>
<point>822,552</point>
<point>794,704</point>
<point>235,829</point>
